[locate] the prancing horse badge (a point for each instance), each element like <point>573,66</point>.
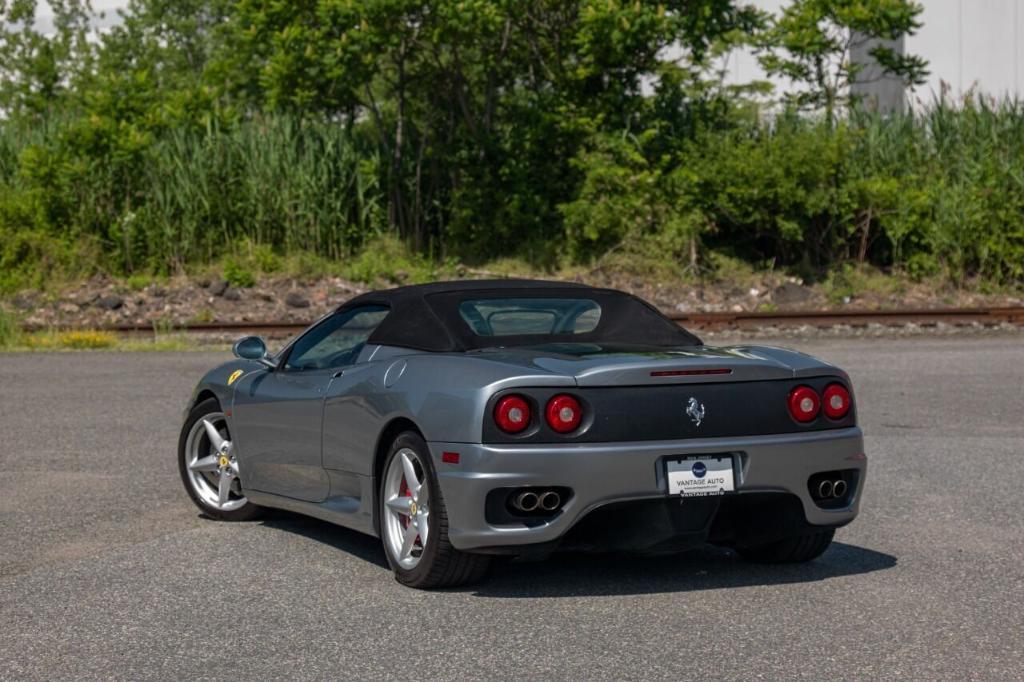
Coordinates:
<point>695,410</point>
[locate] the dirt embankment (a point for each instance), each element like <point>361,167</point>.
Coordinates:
<point>181,301</point>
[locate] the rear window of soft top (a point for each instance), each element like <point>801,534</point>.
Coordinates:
<point>530,316</point>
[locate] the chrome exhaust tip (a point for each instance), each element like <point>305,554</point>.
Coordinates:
<point>526,501</point>
<point>550,501</point>
<point>839,488</point>
<point>825,489</point>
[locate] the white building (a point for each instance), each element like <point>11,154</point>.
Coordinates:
<point>970,45</point>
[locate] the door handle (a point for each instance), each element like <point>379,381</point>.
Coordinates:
<point>337,374</point>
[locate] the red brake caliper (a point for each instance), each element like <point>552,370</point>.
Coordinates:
<point>403,491</point>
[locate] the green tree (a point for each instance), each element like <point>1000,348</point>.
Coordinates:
<point>810,44</point>
<point>39,69</point>
<point>478,105</point>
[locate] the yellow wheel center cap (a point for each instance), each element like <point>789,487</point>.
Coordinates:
<point>224,462</point>
<point>412,508</point>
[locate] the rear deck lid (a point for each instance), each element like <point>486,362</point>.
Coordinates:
<point>594,365</point>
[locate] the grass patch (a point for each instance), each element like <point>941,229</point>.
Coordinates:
<point>388,259</point>
<point>95,340</point>
<point>166,343</point>
<point>735,272</point>
<point>851,281</point>
<point>10,332</point>
<point>78,339</point>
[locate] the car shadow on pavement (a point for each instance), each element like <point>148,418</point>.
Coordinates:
<point>708,568</point>
<point>579,574</point>
<point>343,539</point>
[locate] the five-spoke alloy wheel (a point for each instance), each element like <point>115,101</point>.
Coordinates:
<point>208,466</point>
<point>407,508</point>
<point>414,521</point>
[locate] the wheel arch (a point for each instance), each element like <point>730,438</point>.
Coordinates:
<point>204,394</point>
<point>387,435</point>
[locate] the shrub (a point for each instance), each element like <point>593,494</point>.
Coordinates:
<point>237,274</point>
<point>938,192</point>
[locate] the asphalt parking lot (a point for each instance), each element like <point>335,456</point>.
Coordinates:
<point>108,571</point>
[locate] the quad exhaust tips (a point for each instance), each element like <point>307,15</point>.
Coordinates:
<point>534,500</point>
<point>839,489</point>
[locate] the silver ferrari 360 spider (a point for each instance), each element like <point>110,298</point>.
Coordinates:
<point>462,420</point>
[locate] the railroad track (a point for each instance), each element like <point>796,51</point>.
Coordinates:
<point>853,318</point>
<point>699,321</point>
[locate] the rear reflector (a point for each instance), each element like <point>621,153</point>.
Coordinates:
<point>450,457</point>
<point>689,372</point>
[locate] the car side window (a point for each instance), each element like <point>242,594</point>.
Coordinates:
<point>336,341</point>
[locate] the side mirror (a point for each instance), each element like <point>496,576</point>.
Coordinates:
<point>253,348</point>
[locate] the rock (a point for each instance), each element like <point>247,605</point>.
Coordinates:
<point>69,308</point>
<point>110,302</point>
<point>23,302</point>
<point>232,295</point>
<point>203,282</point>
<point>265,296</point>
<point>295,299</point>
<point>791,293</point>
<point>158,292</point>
<point>218,287</point>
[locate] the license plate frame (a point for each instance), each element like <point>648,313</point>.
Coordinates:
<point>684,478</point>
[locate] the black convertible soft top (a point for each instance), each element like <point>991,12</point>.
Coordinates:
<point>425,316</point>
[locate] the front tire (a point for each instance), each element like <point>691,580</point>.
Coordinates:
<point>795,550</point>
<point>414,521</point>
<point>208,467</point>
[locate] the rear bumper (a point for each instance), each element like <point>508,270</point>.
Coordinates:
<point>603,473</point>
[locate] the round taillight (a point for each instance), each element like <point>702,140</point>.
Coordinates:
<point>512,414</point>
<point>564,413</point>
<point>804,403</point>
<point>836,401</point>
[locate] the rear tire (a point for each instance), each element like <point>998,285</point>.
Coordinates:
<point>434,563</point>
<point>793,550</point>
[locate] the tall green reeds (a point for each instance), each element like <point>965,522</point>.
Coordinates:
<point>957,177</point>
<point>295,187</point>
<point>188,195</point>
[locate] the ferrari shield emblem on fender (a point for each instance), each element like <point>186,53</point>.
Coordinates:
<point>234,375</point>
<point>695,410</point>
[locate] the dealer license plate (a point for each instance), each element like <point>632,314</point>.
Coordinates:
<point>700,476</point>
